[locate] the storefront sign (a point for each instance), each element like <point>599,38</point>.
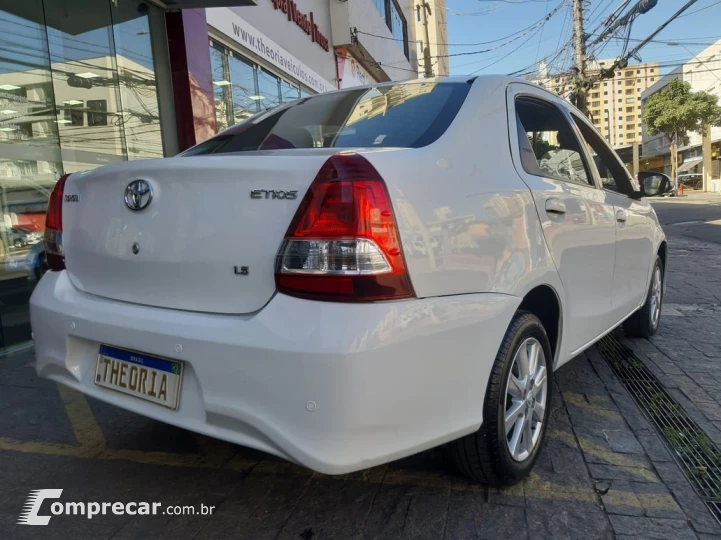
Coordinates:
<point>306,22</point>
<point>232,25</point>
<point>350,72</point>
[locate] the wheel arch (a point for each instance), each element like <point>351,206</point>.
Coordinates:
<point>663,253</point>
<point>544,302</point>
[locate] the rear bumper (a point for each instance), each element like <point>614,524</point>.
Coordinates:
<point>387,379</point>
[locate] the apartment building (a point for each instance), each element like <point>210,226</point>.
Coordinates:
<point>701,71</point>
<point>614,104</point>
<point>437,35</point>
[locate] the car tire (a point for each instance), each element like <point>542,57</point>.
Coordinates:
<point>644,322</point>
<point>486,456</point>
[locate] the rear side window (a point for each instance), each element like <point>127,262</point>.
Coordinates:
<point>548,144</point>
<point>399,116</point>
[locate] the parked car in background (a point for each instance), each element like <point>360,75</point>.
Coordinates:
<point>261,287</point>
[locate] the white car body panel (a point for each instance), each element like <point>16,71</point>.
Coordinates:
<point>372,371</point>
<point>336,387</point>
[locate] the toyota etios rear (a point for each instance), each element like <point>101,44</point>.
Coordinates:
<point>356,276</point>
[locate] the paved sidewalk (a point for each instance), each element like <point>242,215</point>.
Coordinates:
<point>685,354</point>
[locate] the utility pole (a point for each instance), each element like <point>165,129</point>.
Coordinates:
<point>579,56</point>
<point>427,69</point>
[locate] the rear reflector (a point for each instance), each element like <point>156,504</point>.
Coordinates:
<point>54,227</point>
<point>343,242</point>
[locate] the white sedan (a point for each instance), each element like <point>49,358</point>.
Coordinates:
<point>356,276</point>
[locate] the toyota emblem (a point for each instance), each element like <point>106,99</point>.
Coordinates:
<point>138,195</point>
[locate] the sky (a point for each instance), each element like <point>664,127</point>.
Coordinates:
<point>474,23</point>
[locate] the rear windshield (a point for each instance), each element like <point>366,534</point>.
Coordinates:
<point>399,116</point>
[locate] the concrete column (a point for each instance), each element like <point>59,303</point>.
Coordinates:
<point>706,148</point>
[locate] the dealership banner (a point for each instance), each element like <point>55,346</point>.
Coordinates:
<point>350,72</point>
<point>233,26</point>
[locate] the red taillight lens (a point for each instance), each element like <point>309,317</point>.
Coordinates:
<point>54,227</point>
<point>343,242</point>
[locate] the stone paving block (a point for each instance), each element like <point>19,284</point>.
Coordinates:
<point>258,508</point>
<point>512,496</point>
<point>469,517</point>
<point>710,409</point>
<point>59,527</point>
<point>554,521</point>
<point>653,445</point>
<point>569,462</point>
<point>35,414</point>
<point>657,500</point>
<point>644,527</point>
<point>335,509</point>
<point>696,511</point>
<point>623,441</point>
<point>615,472</point>
<point>633,461</point>
<point>621,499</point>
<point>397,512</point>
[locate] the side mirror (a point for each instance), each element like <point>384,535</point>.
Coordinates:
<point>654,184</point>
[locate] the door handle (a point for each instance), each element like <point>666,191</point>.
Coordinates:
<point>621,215</point>
<point>555,206</point>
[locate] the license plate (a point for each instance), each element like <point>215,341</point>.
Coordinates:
<point>140,375</point>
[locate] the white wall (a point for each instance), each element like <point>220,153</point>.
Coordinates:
<point>363,15</point>
<point>275,24</point>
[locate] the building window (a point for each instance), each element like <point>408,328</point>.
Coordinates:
<point>652,70</point>
<point>595,104</point>
<point>605,93</point>
<point>595,95</point>
<point>629,109</point>
<point>630,100</point>
<point>396,22</point>
<point>629,91</point>
<point>97,112</point>
<point>74,112</point>
<point>629,118</point>
<point>620,117</point>
<point>605,102</point>
<point>637,72</point>
<point>620,91</point>
<point>630,127</point>
<point>652,78</point>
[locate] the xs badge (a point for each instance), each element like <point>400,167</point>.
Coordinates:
<point>273,194</point>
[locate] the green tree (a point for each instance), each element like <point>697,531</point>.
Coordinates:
<point>675,111</point>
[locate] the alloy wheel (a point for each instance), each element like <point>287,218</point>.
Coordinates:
<point>526,397</point>
<point>656,297</point>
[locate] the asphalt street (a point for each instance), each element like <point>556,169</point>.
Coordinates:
<point>696,216</point>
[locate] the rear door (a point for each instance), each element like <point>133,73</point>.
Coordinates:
<point>634,226</point>
<point>577,220</point>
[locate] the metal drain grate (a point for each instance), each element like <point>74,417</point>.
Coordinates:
<point>697,455</point>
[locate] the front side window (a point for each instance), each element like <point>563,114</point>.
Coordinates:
<point>614,176</point>
<point>548,145</point>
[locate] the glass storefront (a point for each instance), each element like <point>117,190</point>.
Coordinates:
<point>243,88</point>
<point>77,91</point>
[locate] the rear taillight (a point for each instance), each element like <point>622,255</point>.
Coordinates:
<point>54,227</point>
<point>343,242</point>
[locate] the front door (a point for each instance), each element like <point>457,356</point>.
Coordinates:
<point>578,222</point>
<point>634,227</point>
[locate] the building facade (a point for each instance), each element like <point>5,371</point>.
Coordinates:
<point>84,83</point>
<point>701,71</point>
<point>614,104</point>
<point>437,35</point>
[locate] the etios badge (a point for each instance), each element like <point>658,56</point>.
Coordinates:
<point>138,195</point>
